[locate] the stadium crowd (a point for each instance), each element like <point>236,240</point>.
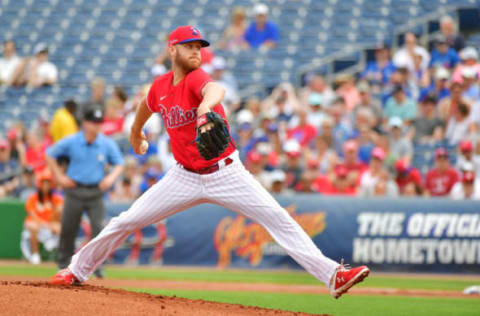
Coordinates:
<point>354,136</point>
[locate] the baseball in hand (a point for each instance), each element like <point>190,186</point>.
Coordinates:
<point>144,146</point>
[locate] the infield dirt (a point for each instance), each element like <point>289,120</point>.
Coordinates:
<point>40,298</point>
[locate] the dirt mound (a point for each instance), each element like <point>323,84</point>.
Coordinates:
<point>41,298</point>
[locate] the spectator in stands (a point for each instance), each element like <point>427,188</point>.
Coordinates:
<point>400,146</point>
<point>293,165</point>
<point>448,29</point>
<point>27,184</point>
<point>40,71</point>
<point>63,122</point>
<point>323,154</point>
<point>448,107</point>
<point>401,106</point>
<point>460,126</point>
<point>438,86</point>
<point>256,166</point>
<point>231,100</point>
<point>378,72</point>
<point>367,102</point>
<point>278,185</point>
<point>440,180</point>
<point>316,84</point>
<point>113,121</point>
<point>471,90</point>
<point>316,111</point>
<point>16,139</point>
<point>261,33</point>
<point>9,170</point>
<point>44,209</point>
<point>467,189</point>
<point>407,175</point>
<point>375,181</point>
<point>352,164</point>
<point>405,57</point>
<point>469,59</point>
<point>443,55</point>
<point>10,64</point>
<point>97,93</point>
<point>466,156</point>
<point>128,188</point>
<point>342,129</point>
<point>151,177</point>
<point>304,132</point>
<point>282,104</point>
<point>427,126</point>
<point>233,36</point>
<point>347,90</point>
<point>337,184</point>
<point>308,178</point>
<point>35,151</point>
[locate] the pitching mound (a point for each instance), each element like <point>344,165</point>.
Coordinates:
<point>41,298</point>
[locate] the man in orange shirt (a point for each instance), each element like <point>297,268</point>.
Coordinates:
<point>43,213</point>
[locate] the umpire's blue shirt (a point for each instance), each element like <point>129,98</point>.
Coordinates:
<point>87,161</point>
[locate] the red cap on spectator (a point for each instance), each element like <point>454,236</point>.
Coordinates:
<point>186,34</point>
<point>401,165</point>
<point>468,176</point>
<point>465,145</point>
<point>378,153</point>
<point>441,152</point>
<point>254,157</point>
<point>4,143</point>
<point>341,171</point>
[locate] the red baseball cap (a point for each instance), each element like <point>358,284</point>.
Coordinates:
<point>378,153</point>
<point>466,145</point>
<point>441,152</point>
<point>253,157</point>
<point>401,165</point>
<point>186,34</point>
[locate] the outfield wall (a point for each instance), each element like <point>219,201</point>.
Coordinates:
<point>387,234</point>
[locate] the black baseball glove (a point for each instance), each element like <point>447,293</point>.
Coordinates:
<point>212,143</point>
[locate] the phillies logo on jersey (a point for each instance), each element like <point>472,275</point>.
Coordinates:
<point>177,117</point>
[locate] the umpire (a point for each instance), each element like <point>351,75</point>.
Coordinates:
<point>85,180</point>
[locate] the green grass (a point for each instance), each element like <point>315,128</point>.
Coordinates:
<point>345,306</point>
<point>254,276</point>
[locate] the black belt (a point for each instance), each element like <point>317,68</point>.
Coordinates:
<point>87,186</point>
<point>210,169</point>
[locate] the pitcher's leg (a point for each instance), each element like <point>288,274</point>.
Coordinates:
<point>240,192</point>
<point>175,192</point>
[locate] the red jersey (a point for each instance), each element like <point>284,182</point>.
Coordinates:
<point>412,176</point>
<point>177,106</point>
<point>440,184</point>
<point>326,187</point>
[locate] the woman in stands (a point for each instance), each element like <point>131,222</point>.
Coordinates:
<point>43,213</point>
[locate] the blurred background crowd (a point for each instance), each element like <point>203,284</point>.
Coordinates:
<point>407,125</point>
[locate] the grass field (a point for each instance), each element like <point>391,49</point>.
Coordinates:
<point>310,303</point>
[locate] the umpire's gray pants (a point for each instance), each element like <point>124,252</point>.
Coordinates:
<point>78,200</point>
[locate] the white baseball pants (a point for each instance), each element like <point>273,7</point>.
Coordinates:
<point>232,187</point>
